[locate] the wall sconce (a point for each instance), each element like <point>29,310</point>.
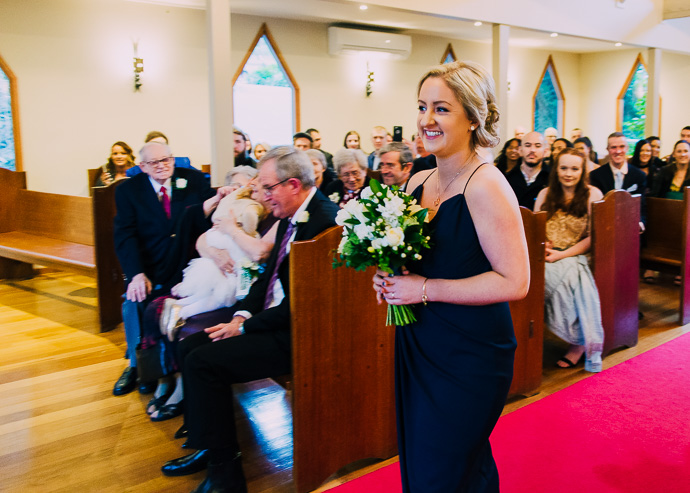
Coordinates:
<point>370,79</point>
<point>138,68</point>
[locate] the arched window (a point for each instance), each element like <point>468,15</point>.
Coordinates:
<point>265,94</point>
<point>449,55</point>
<point>549,103</point>
<point>632,103</point>
<point>10,155</point>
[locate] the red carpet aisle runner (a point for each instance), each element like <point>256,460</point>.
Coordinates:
<point>626,429</point>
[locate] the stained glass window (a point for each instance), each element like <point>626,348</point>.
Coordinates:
<point>7,152</point>
<point>632,103</point>
<point>265,96</point>
<point>548,101</point>
<point>449,55</point>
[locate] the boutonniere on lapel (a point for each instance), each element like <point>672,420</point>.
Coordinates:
<point>180,183</point>
<point>303,217</point>
<point>335,197</point>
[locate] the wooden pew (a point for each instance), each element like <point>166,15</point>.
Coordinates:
<point>59,231</point>
<point>615,261</point>
<point>342,359</point>
<point>528,313</point>
<point>667,245</point>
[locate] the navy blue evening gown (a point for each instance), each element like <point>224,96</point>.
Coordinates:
<point>453,369</point>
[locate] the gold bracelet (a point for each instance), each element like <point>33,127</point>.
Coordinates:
<point>425,298</point>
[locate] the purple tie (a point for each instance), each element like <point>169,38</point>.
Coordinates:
<point>165,200</point>
<point>281,255</point>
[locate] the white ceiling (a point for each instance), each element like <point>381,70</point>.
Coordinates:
<point>339,11</point>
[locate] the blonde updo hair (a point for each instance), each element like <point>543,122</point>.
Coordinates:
<point>474,88</point>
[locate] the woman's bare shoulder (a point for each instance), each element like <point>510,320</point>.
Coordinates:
<point>418,178</point>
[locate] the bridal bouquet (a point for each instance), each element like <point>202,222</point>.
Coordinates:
<point>385,228</point>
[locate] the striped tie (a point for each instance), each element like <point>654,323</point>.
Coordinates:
<point>281,255</point>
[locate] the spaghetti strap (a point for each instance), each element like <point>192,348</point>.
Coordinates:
<point>428,176</point>
<point>468,180</point>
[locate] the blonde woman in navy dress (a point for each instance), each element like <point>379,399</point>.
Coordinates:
<point>454,365</point>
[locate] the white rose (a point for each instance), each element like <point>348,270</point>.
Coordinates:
<point>395,236</point>
<point>366,193</point>
<point>180,183</point>
<point>415,208</point>
<point>335,197</point>
<point>303,217</point>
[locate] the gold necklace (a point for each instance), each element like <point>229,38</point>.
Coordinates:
<point>438,182</point>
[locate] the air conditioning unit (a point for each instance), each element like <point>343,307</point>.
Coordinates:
<point>343,41</point>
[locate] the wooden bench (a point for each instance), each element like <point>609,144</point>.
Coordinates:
<point>62,232</point>
<point>667,243</point>
<point>528,313</point>
<point>615,265</point>
<point>343,403</point>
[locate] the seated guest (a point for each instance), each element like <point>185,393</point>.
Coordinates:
<point>575,134</point>
<point>396,164</point>
<point>254,340</point>
<point>655,142</point>
<point>528,179</point>
<point>120,160</point>
<point>617,175</point>
<point>379,136</point>
<point>302,141</point>
<point>584,145</point>
<point>642,159</point>
<point>316,144</point>
<point>670,181</point>
<point>351,166</point>
<point>509,157</point>
<point>572,310</point>
<point>324,175</point>
<point>150,241</point>
<point>519,132</point>
<point>156,136</point>
<point>352,140</point>
<point>260,149</point>
<point>424,159</point>
<point>239,177</point>
<point>557,146</point>
<point>240,149</point>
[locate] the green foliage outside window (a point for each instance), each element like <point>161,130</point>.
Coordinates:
<point>635,105</point>
<point>262,68</point>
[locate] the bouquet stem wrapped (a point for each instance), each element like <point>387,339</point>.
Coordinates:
<point>385,228</point>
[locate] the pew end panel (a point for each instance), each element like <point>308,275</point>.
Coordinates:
<point>684,317</point>
<point>109,275</point>
<point>615,260</point>
<point>528,313</point>
<point>342,360</point>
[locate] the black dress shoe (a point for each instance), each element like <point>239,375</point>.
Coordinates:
<point>182,432</point>
<point>224,478</point>
<point>127,382</point>
<point>189,464</point>
<point>169,411</point>
<point>147,387</point>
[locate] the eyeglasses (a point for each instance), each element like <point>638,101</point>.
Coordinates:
<point>351,174</point>
<point>383,166</point>
<point>165,161</point>
<point>268,191</point>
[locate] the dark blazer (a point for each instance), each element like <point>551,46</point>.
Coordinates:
<point>635,183</point>
<point>527,194</point>
<point>663,179</point>
<point>145,239</point>
<point>422,163</point>
<point>370,159</point>
<point>322,214</point>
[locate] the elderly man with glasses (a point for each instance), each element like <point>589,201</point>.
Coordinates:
<point>150,241</point>
<point>254,340</point>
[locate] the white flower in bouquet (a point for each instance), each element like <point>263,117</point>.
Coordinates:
<point>395,236</point>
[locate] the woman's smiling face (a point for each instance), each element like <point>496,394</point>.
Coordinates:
<point>442,121</point>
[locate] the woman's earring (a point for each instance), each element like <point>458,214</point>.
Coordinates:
<point>472,128</point>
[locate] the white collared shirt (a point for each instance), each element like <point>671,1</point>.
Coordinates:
<point>623,170</point>
<point>157,187</point>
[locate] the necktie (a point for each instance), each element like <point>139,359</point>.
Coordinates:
<point>281,255</point>
<point>165,200</point>
<point>618,183</point>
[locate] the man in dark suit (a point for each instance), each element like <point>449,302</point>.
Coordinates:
<point>150,241</point>
<point>378,139</point>
<point>255,343</point>
<point>528,179</point>
<point>617,175</point>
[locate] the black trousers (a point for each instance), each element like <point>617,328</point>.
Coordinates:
<point>208,371</point>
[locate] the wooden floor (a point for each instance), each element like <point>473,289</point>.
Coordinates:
<point>62,430</point>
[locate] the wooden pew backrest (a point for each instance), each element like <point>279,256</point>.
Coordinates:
<point>615,265</point>
<point>664,232</point>
<point>61,217</point>
<point>342,359</point>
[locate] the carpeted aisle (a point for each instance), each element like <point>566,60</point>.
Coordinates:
<point>626,429</point>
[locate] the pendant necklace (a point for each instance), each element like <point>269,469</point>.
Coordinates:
<point>438,183</point>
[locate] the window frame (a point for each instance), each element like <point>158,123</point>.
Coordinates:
<point>263,31</point>
<point>14,105</point>
<point>639,60</point>
<point>560,93</point>
<point>449,51</point>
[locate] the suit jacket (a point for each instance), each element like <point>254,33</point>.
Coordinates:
<point>635,182</point>
<point>145,239</point>
<point>322,214</point>
<point>527,194</point>
<point>370,160</point>
<point>663,179</point>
